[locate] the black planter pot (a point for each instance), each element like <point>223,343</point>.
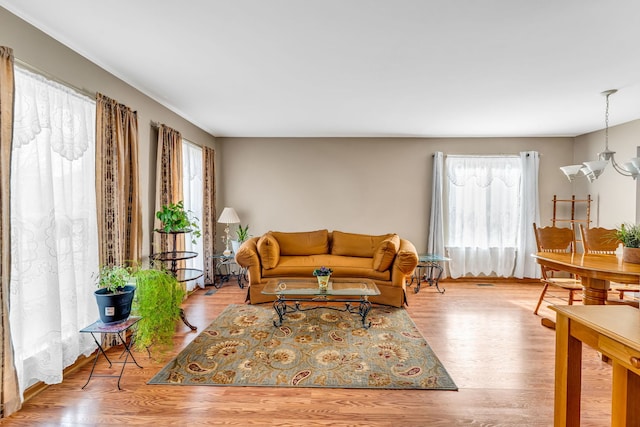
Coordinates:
<point>114,308</point>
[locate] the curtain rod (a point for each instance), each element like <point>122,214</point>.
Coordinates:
<point>157,125</point>
<point>85,92</point>
<point>483,155</point>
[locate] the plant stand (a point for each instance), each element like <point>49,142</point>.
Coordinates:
<point>119,329</point>
<point>181,274</point>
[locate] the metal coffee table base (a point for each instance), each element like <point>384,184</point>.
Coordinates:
<point>282,308</point>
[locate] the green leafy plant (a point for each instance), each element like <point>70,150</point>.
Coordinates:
<point>113,277</point>
<point>158,299</point>
<point>322,271</point>
<point>629,235</point>
<point>174,217</point>
<point>242,233</point>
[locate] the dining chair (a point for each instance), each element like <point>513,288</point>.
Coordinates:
<point>599,240</point>
<point>556,239</point>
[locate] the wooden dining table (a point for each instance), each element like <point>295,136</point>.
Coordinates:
<point>611,330</point>
<point>595,272</point>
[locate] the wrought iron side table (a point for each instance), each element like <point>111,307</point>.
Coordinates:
<point>224,270</point>
<point>428,270</point>
<point>119,329</point>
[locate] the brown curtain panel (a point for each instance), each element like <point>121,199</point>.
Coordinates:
<point>118,194</point>
<point>168,182</point>
<point>10,399</point>
<point>209,216</point>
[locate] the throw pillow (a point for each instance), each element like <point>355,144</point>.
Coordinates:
<point>353,244</point>
<point>406,261</point>
<point>302,243</point>
<point>269,251</point>
<point>385,253</point>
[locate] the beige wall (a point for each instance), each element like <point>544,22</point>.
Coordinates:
<point>615,196</point>
<point>46,54</point>
<point>357,184</point>
<point>352,184</point>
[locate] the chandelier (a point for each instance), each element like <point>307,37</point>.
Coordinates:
<point>592,170</point>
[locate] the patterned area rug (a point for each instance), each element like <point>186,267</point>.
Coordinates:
<point>314,348</point>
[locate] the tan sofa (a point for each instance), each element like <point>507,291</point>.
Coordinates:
<point>388,260</point>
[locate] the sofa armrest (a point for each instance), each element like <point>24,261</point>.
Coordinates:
<point>247,257</point>
<point>405,262</point>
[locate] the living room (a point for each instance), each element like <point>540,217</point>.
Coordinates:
<point>371,184</point>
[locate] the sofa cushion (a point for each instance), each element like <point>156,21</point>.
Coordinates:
<point>352,244</point>
<point>303,243</point>
<point>386,252</point>
<point>269,251</point>
<point>303,266</point>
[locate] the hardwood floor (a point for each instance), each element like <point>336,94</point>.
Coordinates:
<point>486,336</point>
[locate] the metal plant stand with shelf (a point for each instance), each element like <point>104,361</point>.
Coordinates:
<point>119,329</point>
<point>181,274</point>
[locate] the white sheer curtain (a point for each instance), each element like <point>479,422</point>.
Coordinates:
<point>54,232</point>
<point>483,195</point>
<point>192,193</point>
<point>435,242</point>
<point>529,213</point>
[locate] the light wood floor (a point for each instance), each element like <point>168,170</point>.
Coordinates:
<point>492,345</point>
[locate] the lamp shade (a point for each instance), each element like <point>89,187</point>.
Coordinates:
<point>229,216</point>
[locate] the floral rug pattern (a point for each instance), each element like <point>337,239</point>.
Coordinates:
<point>314,348</point>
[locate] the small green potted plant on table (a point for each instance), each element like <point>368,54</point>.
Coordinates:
<point>114,295</point>
<point>242,234</point>
<point>629,235</point>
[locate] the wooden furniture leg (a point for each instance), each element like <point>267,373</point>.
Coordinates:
<point>595,291</point>
<point>568,375</point>
<point>626,387</point>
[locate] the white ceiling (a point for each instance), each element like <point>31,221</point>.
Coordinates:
<point>374,68</point>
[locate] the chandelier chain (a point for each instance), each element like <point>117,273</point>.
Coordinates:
<point>606,124</point>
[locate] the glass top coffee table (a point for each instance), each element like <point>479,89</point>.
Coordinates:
<point>295,291</point>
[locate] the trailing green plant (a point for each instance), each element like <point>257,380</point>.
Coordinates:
<point>113,277</point>
<point>158,299</point>
<point>174,217</point>
<point>242,233</point>
<point>629,235</point>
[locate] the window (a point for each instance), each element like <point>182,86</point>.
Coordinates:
<point>54,230</point>
<point>193,195</point>
<point>483,203</point>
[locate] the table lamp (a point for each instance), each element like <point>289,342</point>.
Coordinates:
<point>228,216</point>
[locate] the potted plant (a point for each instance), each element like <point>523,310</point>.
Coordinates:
<point>175,218</point>
<point>114,295</point>
<point>323,274</point>
<point>629,235</point>
<point>242,234</point>
<point>158,299</point>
